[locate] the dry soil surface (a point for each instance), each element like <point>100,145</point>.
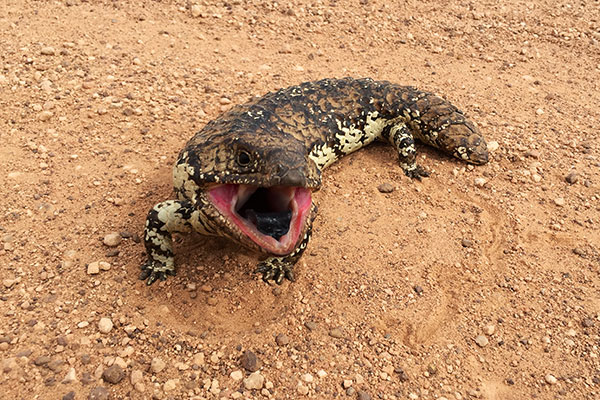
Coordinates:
<point>474,283</point>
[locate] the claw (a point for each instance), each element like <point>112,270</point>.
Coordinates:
<point>417,173</point>
<point>275,270</point>
<point>153,271</point>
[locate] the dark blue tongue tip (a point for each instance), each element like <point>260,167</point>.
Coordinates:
<point>274,224</point>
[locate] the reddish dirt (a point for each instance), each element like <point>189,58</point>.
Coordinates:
<point>98,97</point>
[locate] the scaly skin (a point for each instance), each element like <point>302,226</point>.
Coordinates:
<point>285,139</point>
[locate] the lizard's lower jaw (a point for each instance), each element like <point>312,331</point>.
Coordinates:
<point>274,218</point>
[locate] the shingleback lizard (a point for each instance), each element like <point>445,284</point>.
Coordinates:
<point>249,174</point>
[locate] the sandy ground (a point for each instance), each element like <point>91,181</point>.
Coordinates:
<point>474,283</point>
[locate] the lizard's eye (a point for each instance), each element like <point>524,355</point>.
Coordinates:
<point>243,158</point>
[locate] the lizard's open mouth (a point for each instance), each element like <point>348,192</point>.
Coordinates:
<point>272,217</point>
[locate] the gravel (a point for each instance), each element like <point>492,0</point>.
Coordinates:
<point>336,333</point>
<point>250,361</point>
<point>362,395</point>
<point>282,339</point>
<point>157,365</point>
<point>386,187</point>
<point>254,381</point>
<point>481,341</point>
<point>572,178</point>
<point>105,325</point>
<point>98,393</point>
<point>113,374</point>
<point>112,239</point>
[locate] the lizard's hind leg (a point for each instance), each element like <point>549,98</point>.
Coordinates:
<point>402,139</point>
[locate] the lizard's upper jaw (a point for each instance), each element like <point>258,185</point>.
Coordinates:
<point>274,218</point>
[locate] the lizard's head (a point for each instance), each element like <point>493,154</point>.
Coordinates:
<point>256,187</point>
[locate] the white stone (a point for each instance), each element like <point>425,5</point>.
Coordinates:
<point>302,389</point>
<point>482,341</point>
<point>70,377</point>
<point>112,239</point>
<point>157,365</point>
<point>480,182</point>
<point>236,375</point>
<point>493,146</point>
<point>550,379</point>
<point>136,377</point>
<point>489,329</point>
<point>105,325</point>
<point>93,268</point>
<point>48,51</point>
<point>254,381</point>
<point>171,384</point>
<point>196,10</point>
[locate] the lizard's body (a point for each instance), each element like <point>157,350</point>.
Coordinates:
<point>248,175</point>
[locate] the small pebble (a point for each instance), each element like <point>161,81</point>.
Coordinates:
<point>112,239</point>
<point>550,379</point>
<point>308,378</point>
<point>69,396</point>
<point>45,115</point>
<point>572,178</point>
<point>105,325</point>
<point>559,201</point>
<point>98,393</point>
<point>196,10</point>
<point>302,389</point>
<point>418,289</point>
<point>254,381</point>
<point>70,377</point>
<point>587,323</point>
<point>157,365</point>
<point>113,374</point>
<point>480,182</point>
<point>466,242</point>
<point>336,333</point>
<point>170,385</point>
<point>493,146</point>
<point>93,268</point>
<point>347,383</point>
<point>136,376</point>
<point>48,51</point>
<point>282,339</point>
<point>481,341</point>
<point>250,361</point>
<point>236,375</point>
<point>386,187</point>
<point>362,395</point>
<point>311,326</point>
<point>41,360</point>
<point>489,329</point>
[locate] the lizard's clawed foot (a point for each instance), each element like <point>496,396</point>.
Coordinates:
<point>417,173</point>
<point>153,270</point>
<point>275,269</point>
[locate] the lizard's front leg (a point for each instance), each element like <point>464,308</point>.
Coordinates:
<point>280,268</point>
<point>164,219</point>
